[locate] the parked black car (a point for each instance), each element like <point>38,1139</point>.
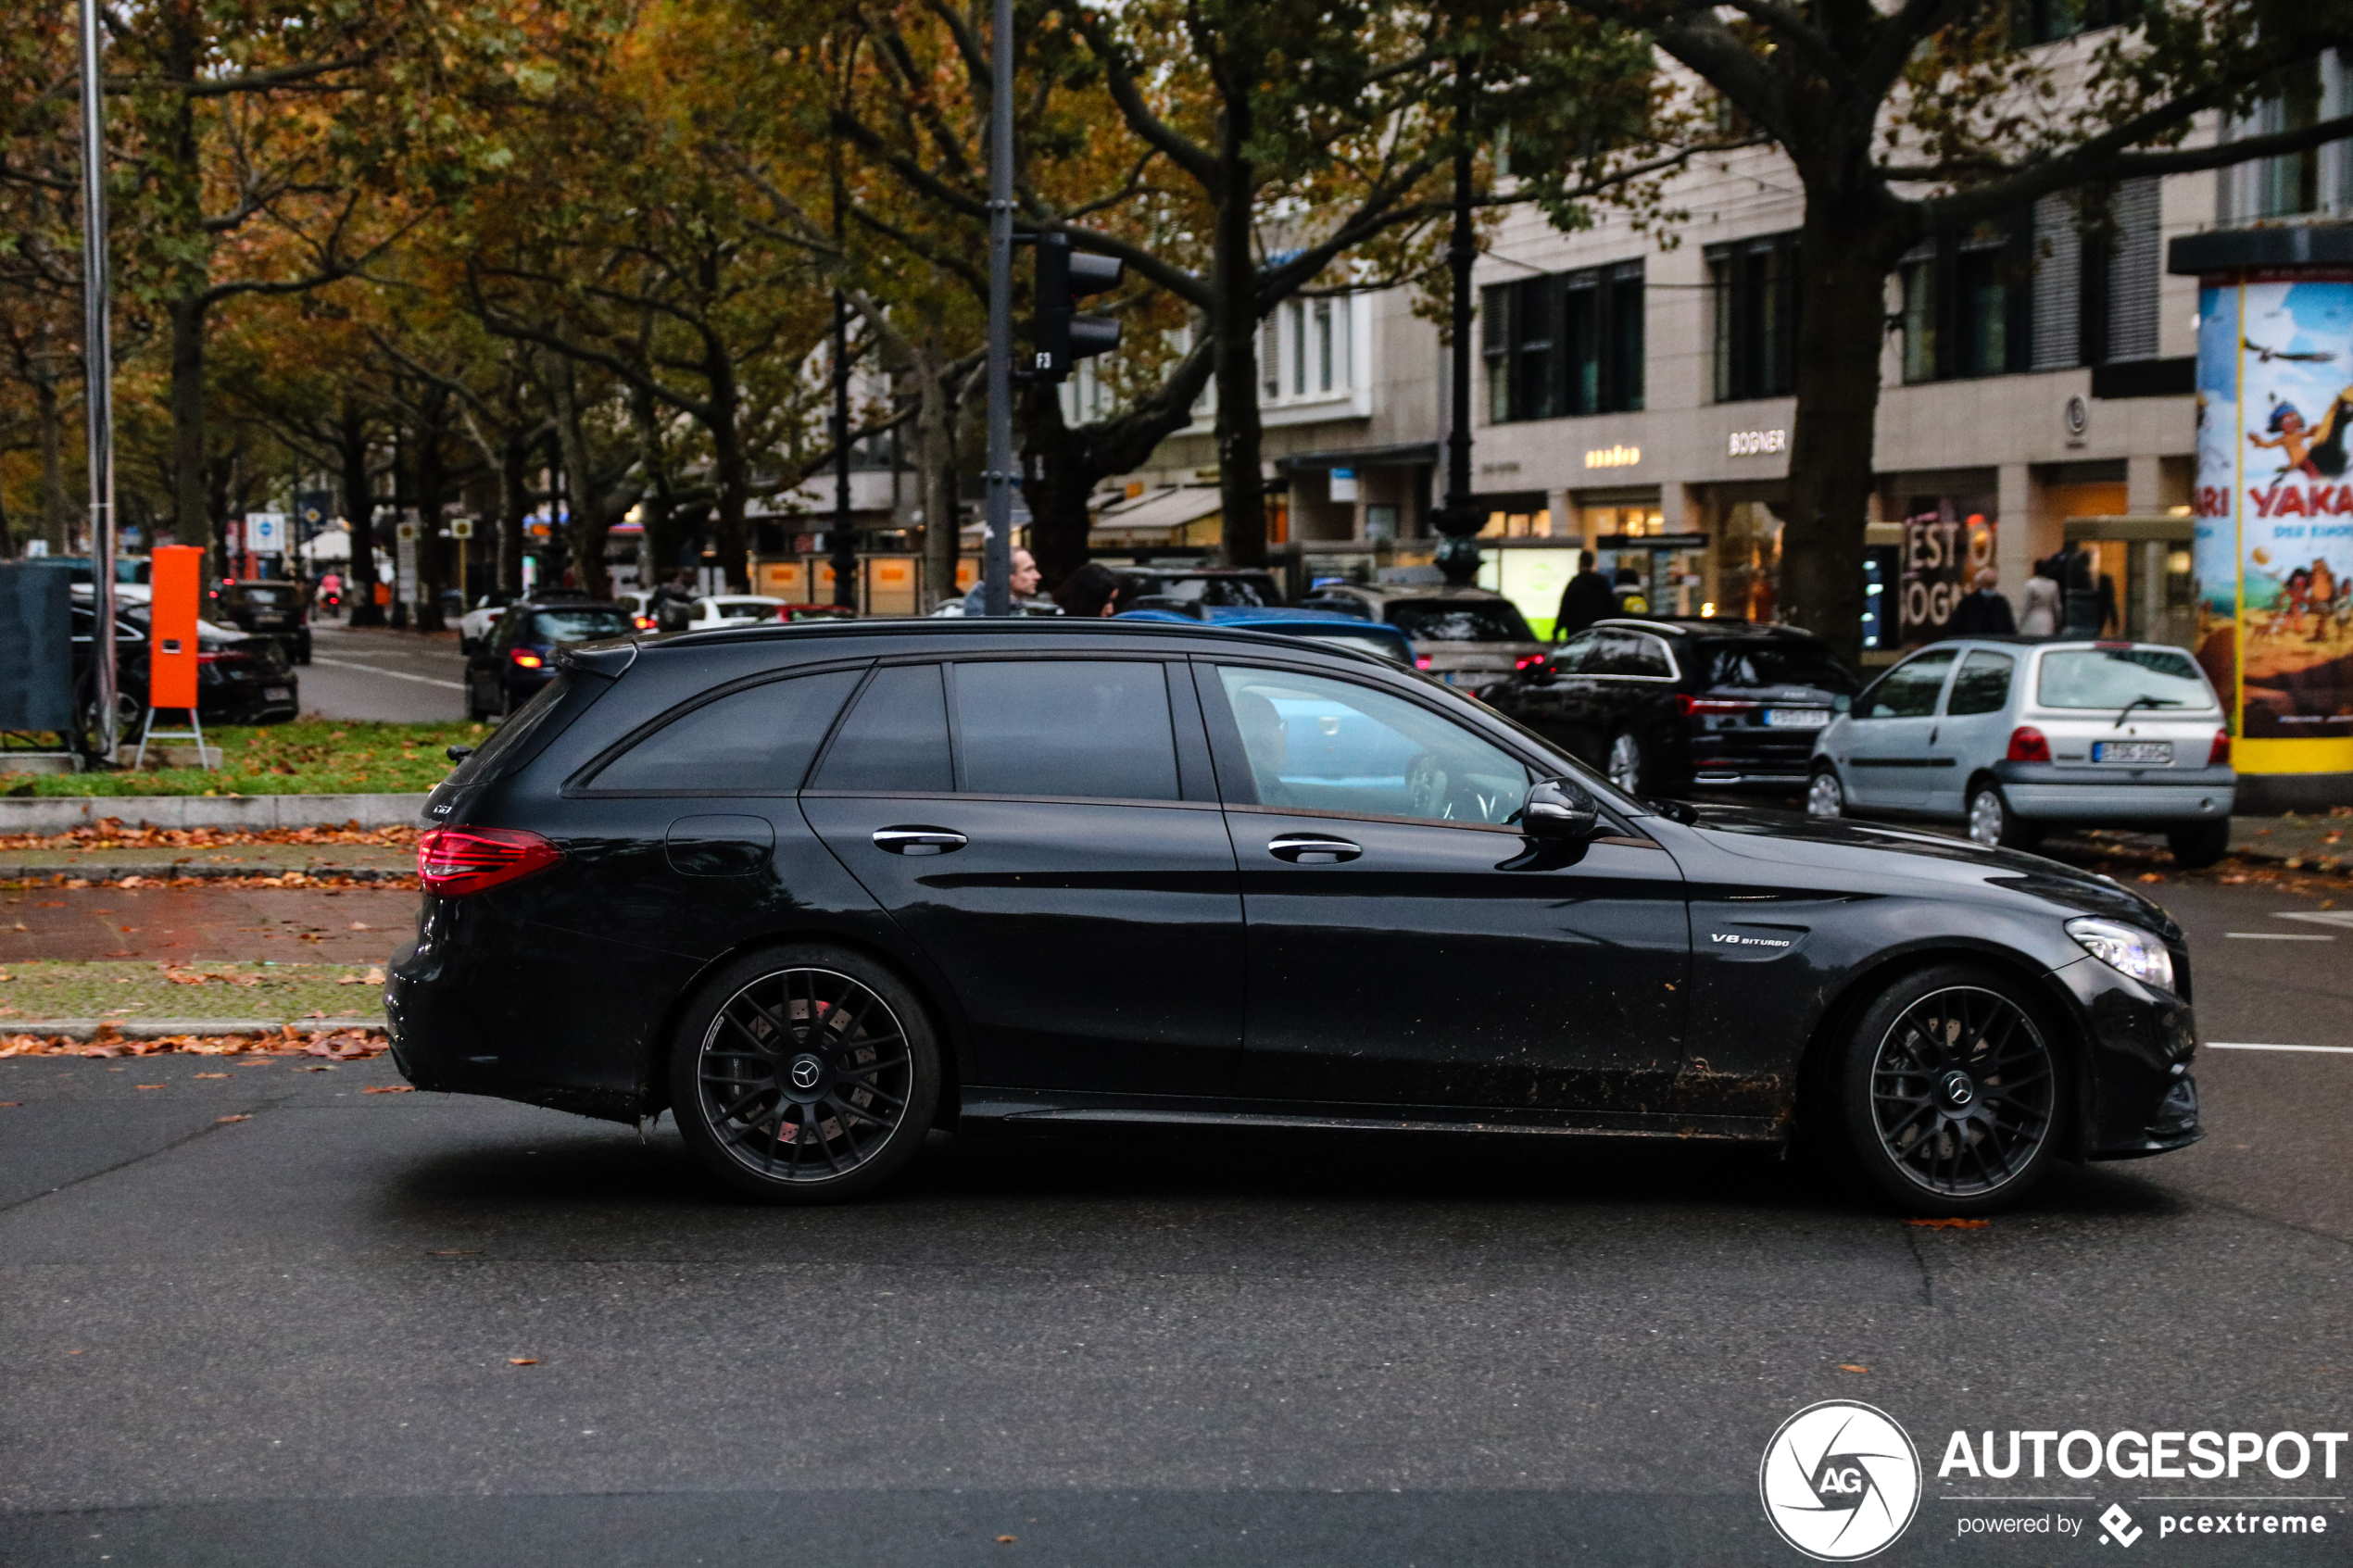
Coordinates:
<point>1662,704</point>
<point>1190,590</point>
<point>240,680</point>
<point>511,664</point>
<point>266,608</point>
<point>820,889</point>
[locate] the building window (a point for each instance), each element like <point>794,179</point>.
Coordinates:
<point>1270,359</point>
<point>2316,180</point>
<point>1968,303</point>
<point>1323,345</point>
<point>1753,289</point>
<point>2048,21</point>
<point>1298,314</point>
<point>2098,267</point>
<point>1566,343</point>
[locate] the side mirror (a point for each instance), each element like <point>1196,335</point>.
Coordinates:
<point>458,753</point>
<point>1841,703</point>
<point>1559,810</point>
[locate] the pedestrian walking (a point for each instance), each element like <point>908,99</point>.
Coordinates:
<point>1587,598</point>
<point>2040,616</point>
<point>1984,612</point>
<point>1024,583</point>
<point>1094,593</point>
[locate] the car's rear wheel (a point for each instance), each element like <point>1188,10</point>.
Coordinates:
<point>2200,844</point>
<point>1825,797</point>
<point>1952,1092</point>
<point>1994,825</point>
<point>805,1074</point>
<point>1628,764</point>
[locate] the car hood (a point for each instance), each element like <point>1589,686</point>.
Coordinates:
<point>1951,863</point>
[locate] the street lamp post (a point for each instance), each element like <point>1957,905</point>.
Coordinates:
<point>97,369</point>
<point>997,562</point>
<point>1458,519</point>
<point>845,543</point>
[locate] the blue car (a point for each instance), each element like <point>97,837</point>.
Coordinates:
<point>1320,625</point>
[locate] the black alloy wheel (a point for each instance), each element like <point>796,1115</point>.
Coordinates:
<point>805,1075</point>
<point>1953,1092</point>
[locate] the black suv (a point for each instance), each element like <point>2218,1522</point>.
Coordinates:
<point>507,668</point>
<point>1662,704</point>
<point>267,609</point>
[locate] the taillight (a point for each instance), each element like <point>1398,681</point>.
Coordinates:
<point>1421,661</point>
<point>2219,752</point>
<point>643,622</point>
<point>1687,705</point>
<point>456,861</point>
<point>2027,745</point>
<point>1531,662</point>
<point>526,660</point>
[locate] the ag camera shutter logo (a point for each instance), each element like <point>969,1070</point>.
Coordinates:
<point>1840,1481</point>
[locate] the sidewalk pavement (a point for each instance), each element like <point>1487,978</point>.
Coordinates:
<point>357,862</point>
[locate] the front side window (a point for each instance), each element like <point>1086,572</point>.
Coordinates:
<point>1312,744</point>
<point>1908,691</point>
<point>2156,679</point>
<point>1983,685</point>
<point>758,741</point>
<point>1098,729</point>
<point>895,741</point>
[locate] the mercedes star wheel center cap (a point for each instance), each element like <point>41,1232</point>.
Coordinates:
<point>804,1073</point>
<point>1958,1090</point>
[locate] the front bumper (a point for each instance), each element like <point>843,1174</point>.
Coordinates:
<point>2047,792</point>
<point>2139,1097</point>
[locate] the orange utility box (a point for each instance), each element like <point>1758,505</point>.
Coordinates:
<point>178,584</point>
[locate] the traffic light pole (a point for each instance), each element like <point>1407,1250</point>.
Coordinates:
<point>97,368</point>
<point>997,562</point>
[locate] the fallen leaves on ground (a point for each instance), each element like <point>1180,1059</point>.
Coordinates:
<point>1950,1224</point>
<point>231,879</point>
<point>389,1090</point>
<point>1850,1366</point>
<point>233,1118</point>
<point>112,832</point>
<point>339,1045</point>
<point>522,1361</point>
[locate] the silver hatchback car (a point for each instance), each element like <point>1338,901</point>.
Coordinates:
<point>2014,737</point>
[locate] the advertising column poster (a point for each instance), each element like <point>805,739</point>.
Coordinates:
<point>2274,556</point>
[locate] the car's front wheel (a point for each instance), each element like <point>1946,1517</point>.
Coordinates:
<point>805,1074</point>
<point>1994,825</point>
<point>1825,797</point>
<point>1952,1091</point>
<point>2199,845</point>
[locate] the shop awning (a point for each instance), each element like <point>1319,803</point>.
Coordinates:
<point>1157,517</point>
<point>1405,456</point>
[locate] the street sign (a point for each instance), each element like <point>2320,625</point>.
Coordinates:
<point>462,527</point>
<point>404,557</point>
<point>312,510</point>
<point>266,533</point>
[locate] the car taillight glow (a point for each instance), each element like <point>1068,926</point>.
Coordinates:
<point>2219,752</point>
<point>456,861</point>
<point>643,622</point>
<point>1421,661</point>
<point>1531,662</point>
<point>1687,705</point>
<point>526,660</point>
<point>2027,745</point>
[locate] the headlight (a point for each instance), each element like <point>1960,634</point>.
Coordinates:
<point>2125,948</point>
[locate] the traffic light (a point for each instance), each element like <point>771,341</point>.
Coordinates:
<point>1062,335</point>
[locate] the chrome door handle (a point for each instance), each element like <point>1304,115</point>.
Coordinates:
<point>919,840</point>
<point>1312,848</point>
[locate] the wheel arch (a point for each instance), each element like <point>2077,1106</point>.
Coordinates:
<point>656,1094</point>
<point>1816,1071</point>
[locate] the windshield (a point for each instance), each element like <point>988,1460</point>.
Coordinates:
<point>752,610</point>
<point>1251,592</point>
<point>583,625</point>
<point>1459,621</point>
<point>1777,663</point>
<point>2158,679</point>
<point>253,595</point>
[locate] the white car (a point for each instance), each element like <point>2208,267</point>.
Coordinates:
<point>714,610</point>
<point>476,625</point>
<point>2014,736</point>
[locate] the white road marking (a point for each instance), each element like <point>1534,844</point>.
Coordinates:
<point>392,674</point>
<point>2238,1046</point>
<point>2277,936</point>
<point>2317,916</point>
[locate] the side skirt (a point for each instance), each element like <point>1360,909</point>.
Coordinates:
<point>1010,1107</point>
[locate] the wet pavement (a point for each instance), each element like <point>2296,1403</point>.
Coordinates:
<point>225,921</point>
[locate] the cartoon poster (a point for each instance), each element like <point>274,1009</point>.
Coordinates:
<point>2274,556</point>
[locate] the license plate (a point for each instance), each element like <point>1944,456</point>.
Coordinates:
<point>276,694</point>
<point>1796,718</point>
<point>268,619</point>
<point>2144,751</point>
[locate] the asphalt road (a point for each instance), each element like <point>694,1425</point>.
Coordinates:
<point>393,1328</point>
<point>405,677</point>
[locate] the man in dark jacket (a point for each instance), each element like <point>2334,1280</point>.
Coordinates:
<point>1587,598</point>
<point>1983,613</point>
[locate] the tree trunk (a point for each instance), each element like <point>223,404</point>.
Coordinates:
<point>731,525</point>
<point>935,473</point>
<point>1242,494</point>
<point>1062,473</point>
<point>514,502</point>
<point>358,515</point>
<point>432,553</point>
<point>590,519</point>
<point>191,516</point>
<point>1847,250</point>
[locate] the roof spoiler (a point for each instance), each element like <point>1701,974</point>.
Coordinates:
<point>605,661</point>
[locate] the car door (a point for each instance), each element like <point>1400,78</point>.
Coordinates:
<point>1888,762</point>
<point>1406,945</point>
<point>1062,862</point>
<point>1972,729</point>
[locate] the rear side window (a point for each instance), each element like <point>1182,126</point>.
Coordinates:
<point>1790,662</point>
<point>518,740</point>
<point>895,741</point>
<point>1983,685</point>
<point>1629,653</point>
<point>1908,691</point>
<point>1581,655</point>
<point>758,741</point>
<point>1095,728</point>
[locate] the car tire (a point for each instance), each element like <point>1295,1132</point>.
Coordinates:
<point>2198,845</point>
<point>1992,824</point>
<point>476,710</point>
<point>466,647</point>
<point>1825,795</point>
<point>1628,763</point>
<point>1953,1091</point>
<point>764,1083</point>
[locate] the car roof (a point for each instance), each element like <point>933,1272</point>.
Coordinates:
<point>1217,635</point>
<point>2016,640</point>
<point>1699,625</point>
<point>1410,590</point>
<point>564,604</point>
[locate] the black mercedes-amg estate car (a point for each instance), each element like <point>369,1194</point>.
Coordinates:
<point>817,889</point>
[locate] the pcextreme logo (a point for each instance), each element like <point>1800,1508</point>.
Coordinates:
<point>1840,1481</point>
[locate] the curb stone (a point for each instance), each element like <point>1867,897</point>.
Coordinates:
<point>64,813</point>
<point>165,871</point>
